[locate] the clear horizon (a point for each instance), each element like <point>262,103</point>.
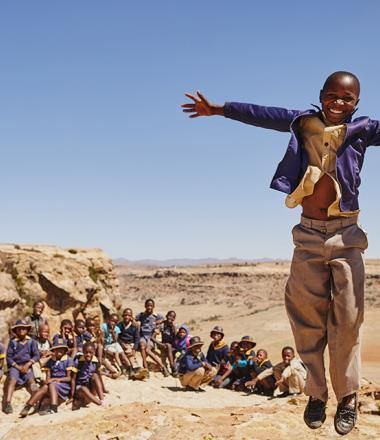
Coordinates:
<point>97,152</point>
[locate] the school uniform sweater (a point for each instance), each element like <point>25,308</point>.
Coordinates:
<point>217,353</point>
<point>129,334</point>
<point>21,352</point>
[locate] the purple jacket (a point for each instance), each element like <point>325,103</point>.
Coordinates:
<point>361,133</point>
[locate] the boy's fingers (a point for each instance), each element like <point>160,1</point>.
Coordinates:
<point>189,110</point>
<point>194,116</point>
<point>202,97</point>
<point>189,95</point>
<point>187,105</point>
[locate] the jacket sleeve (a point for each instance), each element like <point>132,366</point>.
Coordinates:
<point>10,353</point>
<point>266,373</point>
<point>192,363</point>
<point>273,118</point>
<point>374,133</point>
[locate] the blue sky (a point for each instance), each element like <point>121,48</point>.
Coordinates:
<point>95,149</point>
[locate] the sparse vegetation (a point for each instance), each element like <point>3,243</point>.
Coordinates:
<point>93,274</point>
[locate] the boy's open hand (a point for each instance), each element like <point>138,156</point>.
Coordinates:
<point>201,106</point>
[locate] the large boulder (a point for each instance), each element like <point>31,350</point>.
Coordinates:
<point>71,282</point>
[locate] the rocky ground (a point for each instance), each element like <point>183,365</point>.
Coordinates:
<point>66,280</point>
<point>244,299</point>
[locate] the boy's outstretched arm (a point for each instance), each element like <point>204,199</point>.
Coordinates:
<point>273,118</point>
<point>201,106</point>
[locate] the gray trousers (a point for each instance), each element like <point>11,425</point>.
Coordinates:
<point>324,300</point>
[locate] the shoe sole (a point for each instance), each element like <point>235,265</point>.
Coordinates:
<point>341,432</point>
<point>310,424</point>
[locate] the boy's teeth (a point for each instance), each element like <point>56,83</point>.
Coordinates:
<point>338,112</point>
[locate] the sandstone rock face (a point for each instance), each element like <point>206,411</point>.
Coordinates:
<point>68,281</point>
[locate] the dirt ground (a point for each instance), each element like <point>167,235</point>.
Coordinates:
<point>244,299</point>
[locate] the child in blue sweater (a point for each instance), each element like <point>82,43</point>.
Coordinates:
<point>22,353</point>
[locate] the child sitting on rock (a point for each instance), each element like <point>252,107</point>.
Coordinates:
<point>181,341</point>
<point>264,385</point>
<point>243,363</point>
<point>43,345</point>
<point>290,374</point>
<point>149,321</point>
<point>129,339</point>
<point>66,332</point>
<point>217,353</point>
<point>87,380</point>
<point>22,353</point>
<point>226,377</point>
<point>82,335</point>
<point>194,370</point>
<point>35,319</point>
<point>115,357</point>
<point>58,380</point>
<point>168,332</point>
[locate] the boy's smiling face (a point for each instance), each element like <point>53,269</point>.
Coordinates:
<point>127,316</point>
<point>339,97</point>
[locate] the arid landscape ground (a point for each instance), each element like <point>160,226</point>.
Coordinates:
<point>243,299</point>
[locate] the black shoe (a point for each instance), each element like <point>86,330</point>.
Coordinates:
<point>8,408</point>
<point>25,411</point>
<point>189,388</point>
<point>315,413</point>
<point>53,409</point>
<point>346,414</point>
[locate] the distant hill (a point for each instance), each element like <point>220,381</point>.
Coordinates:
<point>187,261</point>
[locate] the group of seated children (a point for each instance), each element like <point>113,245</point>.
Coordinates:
<point>69,366</point>
<point>240,368</point>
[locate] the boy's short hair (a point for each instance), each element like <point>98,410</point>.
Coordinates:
<point>263,350</point>
<point>66,322</point>
<point>38,302</point>
<point>341,73</point>
<point>288,348</point>
<point>89,345</point>
<point>148,301</point>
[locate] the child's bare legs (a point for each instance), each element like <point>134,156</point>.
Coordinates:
<point>97,385</point>
<point>85,394</point>
<point>154,357</point>
<point>99,352</point>
<point>9,389</point>
<point>124,359</point>
<point>38,395</point>
<point>53,394</point>
<point>108,364</point>
<point>169,353</point>
<point>143,354</point>
<point>150,352</point>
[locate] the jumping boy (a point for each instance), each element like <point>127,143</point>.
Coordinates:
<point>325,291</point>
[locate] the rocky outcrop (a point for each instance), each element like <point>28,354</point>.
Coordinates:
<point>68,281</point>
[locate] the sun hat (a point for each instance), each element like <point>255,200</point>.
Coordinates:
<point>217,329</point>
<point>195,341</point>
<point>248,339</point>
<point>21,323</point>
